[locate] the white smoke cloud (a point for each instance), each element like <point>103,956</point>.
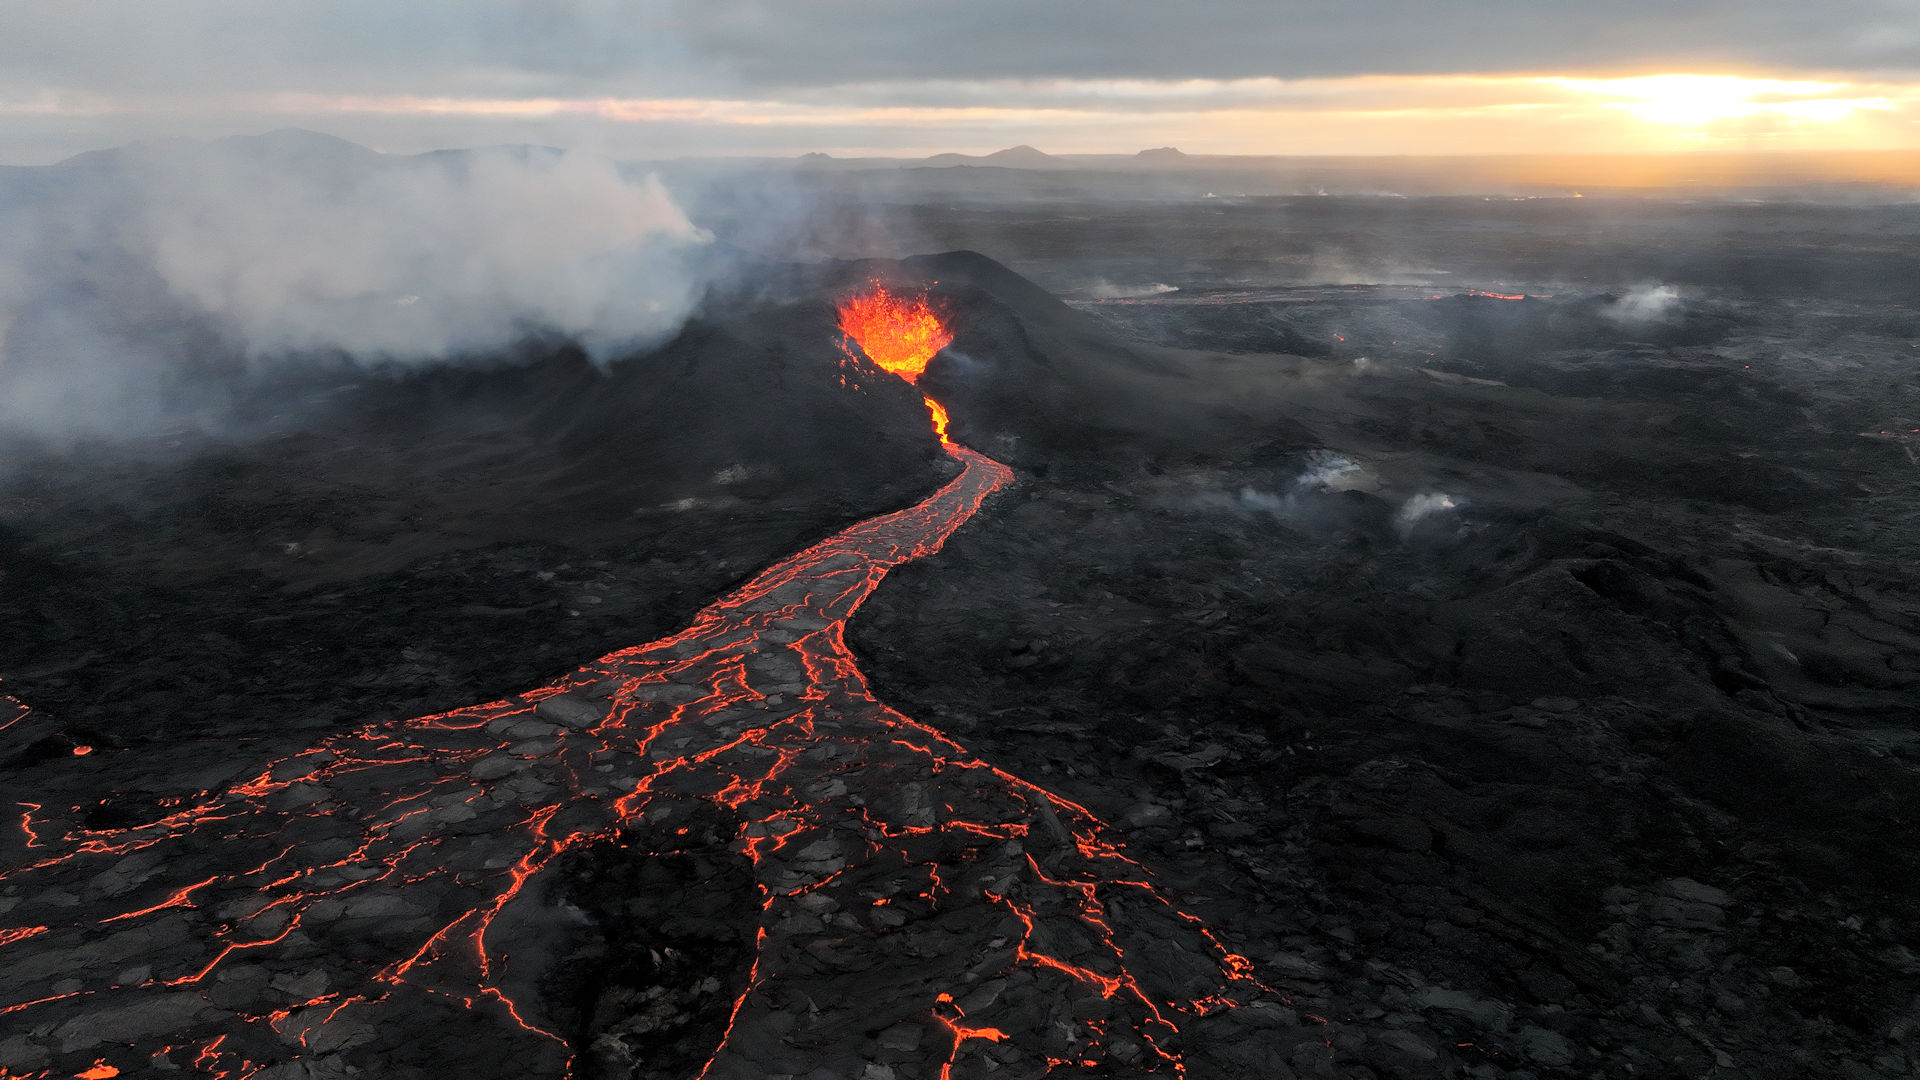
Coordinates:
<point>1645,304</point>
<point>1420,507</point>
<point>1331,472</point>
<point>1325,472</point>
<point>283,246</point>
<point>1108,290</point>
<point>417,263</point>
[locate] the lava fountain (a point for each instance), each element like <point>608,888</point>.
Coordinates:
<point>900,336</point>
<point>377,904</point>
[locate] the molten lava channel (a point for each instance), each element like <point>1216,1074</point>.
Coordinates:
<point>363,905</point>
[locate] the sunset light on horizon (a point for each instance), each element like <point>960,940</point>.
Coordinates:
<point>747,78</point>
<point>1449,114</point>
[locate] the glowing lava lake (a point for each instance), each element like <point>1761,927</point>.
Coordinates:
<point>378,904</point>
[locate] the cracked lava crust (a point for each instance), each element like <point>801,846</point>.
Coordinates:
<point>914,908</point>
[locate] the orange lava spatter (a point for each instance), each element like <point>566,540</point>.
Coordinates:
<point>900,335</point>
<point>393,867</point>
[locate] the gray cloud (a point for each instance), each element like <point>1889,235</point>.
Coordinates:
<point>778,43</point>
<point>75,76</point>
<point>703,47</point>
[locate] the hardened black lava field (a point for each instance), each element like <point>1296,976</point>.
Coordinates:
<point>1387,638</point>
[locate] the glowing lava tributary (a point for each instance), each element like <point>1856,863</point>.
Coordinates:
<point>362,903</point>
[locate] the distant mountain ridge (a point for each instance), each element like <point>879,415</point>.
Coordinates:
<point>1013,157</point>
<point>284,145</point>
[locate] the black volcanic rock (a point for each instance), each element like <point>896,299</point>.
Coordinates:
<point>1512,782</point>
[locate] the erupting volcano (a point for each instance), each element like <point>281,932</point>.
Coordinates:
<point>384,901</point>
<point>901,336</point>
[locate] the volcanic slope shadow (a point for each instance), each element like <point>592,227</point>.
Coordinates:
<point>919,907</point>
<point>392,543</point>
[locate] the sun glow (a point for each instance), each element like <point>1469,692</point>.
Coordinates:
<point>1691,100</point>
<point>1473,113</point>
<point>1464,113</point>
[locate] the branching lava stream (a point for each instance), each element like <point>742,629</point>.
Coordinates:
<point>364,907</point>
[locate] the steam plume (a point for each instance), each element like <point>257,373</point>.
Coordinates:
<point>127,274</point>
<point>1645,304</point>
<point>1421,507</point>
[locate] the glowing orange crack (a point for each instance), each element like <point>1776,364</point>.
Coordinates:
<point>662,744</point>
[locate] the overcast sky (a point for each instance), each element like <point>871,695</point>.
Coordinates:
<point>670,77</point>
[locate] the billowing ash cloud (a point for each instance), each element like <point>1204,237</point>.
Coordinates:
<point>126,276</point>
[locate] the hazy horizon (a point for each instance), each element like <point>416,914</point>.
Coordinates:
<point>673,78</point>
<point>1602,170</point>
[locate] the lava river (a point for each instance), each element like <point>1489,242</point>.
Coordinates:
<point>382,903</point>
